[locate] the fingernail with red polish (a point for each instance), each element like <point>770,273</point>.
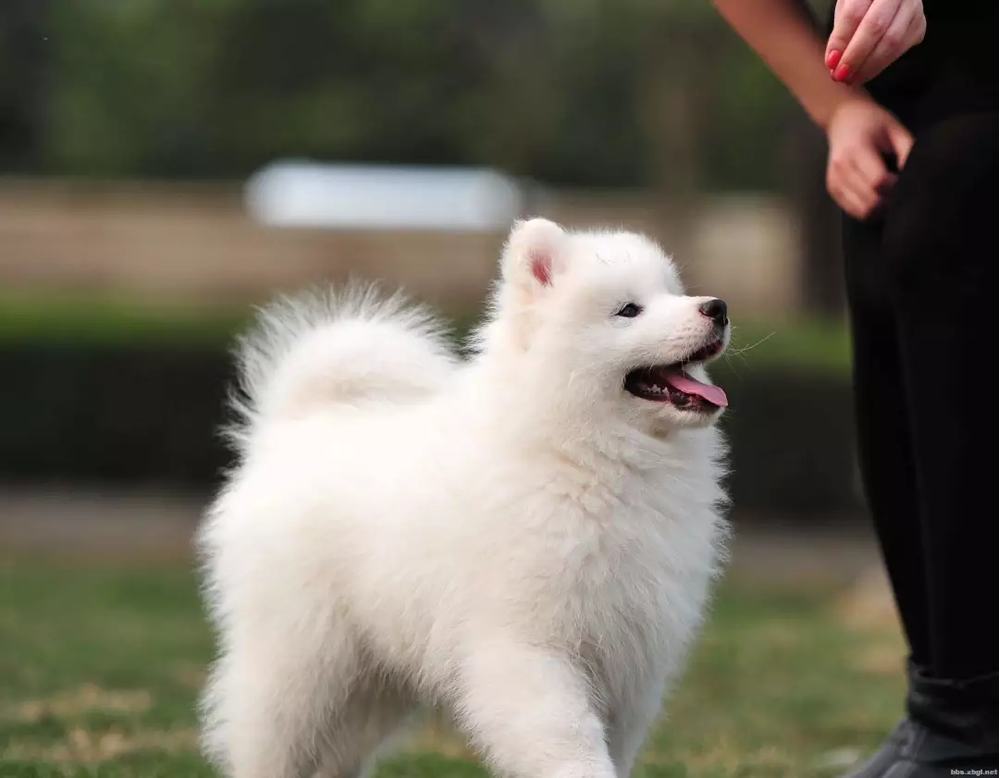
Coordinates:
<point>842,73</point>
<point>832,59</point>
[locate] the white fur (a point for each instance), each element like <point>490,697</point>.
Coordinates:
<point>513,537</point>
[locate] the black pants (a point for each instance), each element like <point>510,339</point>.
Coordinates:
<point>922,289</point>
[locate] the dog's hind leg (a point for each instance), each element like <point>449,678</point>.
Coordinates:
<point>629,725</point>
<point>273,699</point>
<point>367,720</point>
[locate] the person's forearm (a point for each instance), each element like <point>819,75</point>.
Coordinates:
<point>784,34</point>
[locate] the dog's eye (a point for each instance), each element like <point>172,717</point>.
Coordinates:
<point>629,310</point>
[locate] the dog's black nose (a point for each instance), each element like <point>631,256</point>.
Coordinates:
<point>716,310</point>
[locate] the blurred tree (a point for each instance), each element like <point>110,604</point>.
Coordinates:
<point>132,87</point>
<point>24,57</point>
<point>590,92</point>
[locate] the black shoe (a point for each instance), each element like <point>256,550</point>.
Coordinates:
<point>951,726</point>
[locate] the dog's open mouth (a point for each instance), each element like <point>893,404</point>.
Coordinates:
<point>673,384</point>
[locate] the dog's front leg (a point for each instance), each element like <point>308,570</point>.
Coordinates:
<point>529,710</point>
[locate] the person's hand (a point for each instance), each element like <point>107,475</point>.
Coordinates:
<point>869,35</point>
<point>861,133</point>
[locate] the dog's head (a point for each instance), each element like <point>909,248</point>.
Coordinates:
<point>603,319</point>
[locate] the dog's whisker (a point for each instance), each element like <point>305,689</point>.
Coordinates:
<point>740,351</point>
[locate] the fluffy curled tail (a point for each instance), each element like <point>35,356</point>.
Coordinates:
<point>343,345</point>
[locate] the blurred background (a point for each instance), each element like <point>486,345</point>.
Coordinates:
<point>166,166</point>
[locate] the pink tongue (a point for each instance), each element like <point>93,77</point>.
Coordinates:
<point>685,383</point>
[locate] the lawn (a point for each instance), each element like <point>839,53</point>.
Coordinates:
<point>100,665</point>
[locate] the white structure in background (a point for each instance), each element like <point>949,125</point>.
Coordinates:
<point>378,197</point>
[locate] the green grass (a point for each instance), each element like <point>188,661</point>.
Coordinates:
<point>100,667</point>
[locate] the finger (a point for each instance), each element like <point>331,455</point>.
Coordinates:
<point>905,31</point>
<point>847,16</point>
<point>850,191</point>
<point>862,171</point>
<point>868,164</point>
<point>901,141</point>
<point>848,201</point>
<point>868,200</point>
<point>877,20</point>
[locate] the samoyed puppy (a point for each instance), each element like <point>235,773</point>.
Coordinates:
<point>525,537</point>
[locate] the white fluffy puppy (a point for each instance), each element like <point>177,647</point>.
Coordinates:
<point>525,538</point>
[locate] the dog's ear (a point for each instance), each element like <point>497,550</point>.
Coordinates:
<point>535,254</point>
